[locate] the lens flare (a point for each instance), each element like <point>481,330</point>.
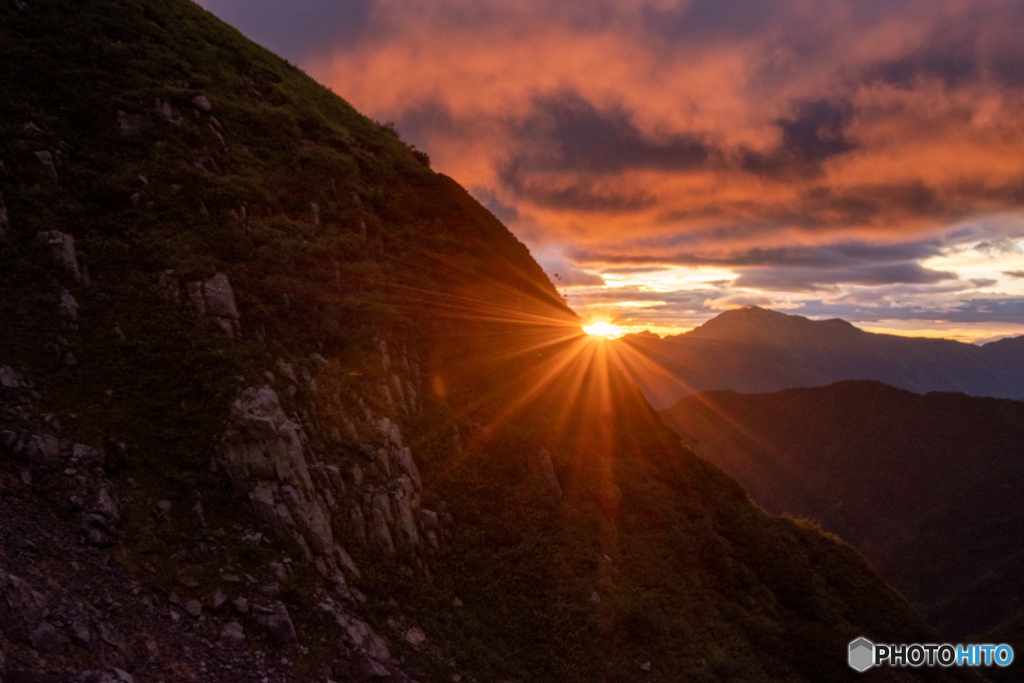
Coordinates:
<point>603,328</point>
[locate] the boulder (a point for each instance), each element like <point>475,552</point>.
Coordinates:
<point>193,607</point>
<point>200,102</point>
<point>46,160</point>
<point>217,600</point>
<point>12,379</point>
<point>103,504</point>
<point>47,639</point>
<point>415,636</point>
<point>131,124</point>
<point>81,635</point>
<point>62,246</point>
<point>22,609</point>
<point>86,456</point>
<point>277,623</point>
<point>98,529</point>
<point>43,449</point>
<point>68,308</point>
<point>232,634</point>
<point>219,297</point>
<point>220,300</point>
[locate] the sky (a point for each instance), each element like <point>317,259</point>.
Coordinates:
<point>665,160</point>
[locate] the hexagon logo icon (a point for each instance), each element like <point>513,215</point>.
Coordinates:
<point>862,654</point>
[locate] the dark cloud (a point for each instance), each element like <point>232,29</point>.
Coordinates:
<point>711,19</point>
<point>566,132</point>
<point>953,61</point>
<point>972,311</point>
<point>961,50</point>
<point>506,213</point>
<point>298,28</point>
<point>571,277</point>
<point>828,256</point>
<point>816,133</point>
<point>429,118</point>
<point>687,131</point>
<point>812,279</point>
<point>633,270</point>
<point>577,196</point>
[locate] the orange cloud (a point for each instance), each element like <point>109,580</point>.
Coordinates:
<point>709,131</point>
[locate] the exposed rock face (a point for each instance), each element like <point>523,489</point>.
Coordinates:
<point>220,298</point>
<point>264,454</point>
<point>69,309</point>
<point>46,160</point>
<point>213,295</point>
<point>62,245</point>
<point>277,622</point>
<point>43,449</point>
<point>130,124</point>
<point>12,379</point>
<point>22,609</point>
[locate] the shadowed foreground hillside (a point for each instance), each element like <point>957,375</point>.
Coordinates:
<point>279,403</point>
<point>753,350</point>
<point>927,487</point>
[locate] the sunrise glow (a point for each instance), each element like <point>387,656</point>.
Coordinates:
<point>602,328</point>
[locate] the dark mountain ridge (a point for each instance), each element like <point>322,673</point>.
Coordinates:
<point>753,350</point>
<point>928,487</point>
<point>278,402</point>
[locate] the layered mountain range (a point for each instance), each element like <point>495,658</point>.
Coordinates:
<point>280,403</point>
<point>753,350</point>
<point>927,487</point>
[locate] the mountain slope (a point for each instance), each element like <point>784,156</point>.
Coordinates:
<point>928,487</point>
<point>279,402</point>
<point>753,350</point>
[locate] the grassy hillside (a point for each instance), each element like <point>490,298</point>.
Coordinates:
<point>571,537</point>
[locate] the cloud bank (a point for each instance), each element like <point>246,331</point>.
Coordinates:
<point>802,147</point>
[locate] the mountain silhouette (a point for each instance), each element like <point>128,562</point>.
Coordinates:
<point>927,487</point>
<point>757,350</point>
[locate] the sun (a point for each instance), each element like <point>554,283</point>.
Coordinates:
<point>603,328</point>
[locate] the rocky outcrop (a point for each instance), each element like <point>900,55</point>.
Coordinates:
<point>46,161</point>
<point>62,246</point>
<point>265,455</point>
<point>68,309</point>
<point>131,124</point>
<point>22,610</point>
<point>12,379</point>
<point>214,296</point>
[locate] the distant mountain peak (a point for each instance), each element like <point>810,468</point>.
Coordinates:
<point>753,323</point>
